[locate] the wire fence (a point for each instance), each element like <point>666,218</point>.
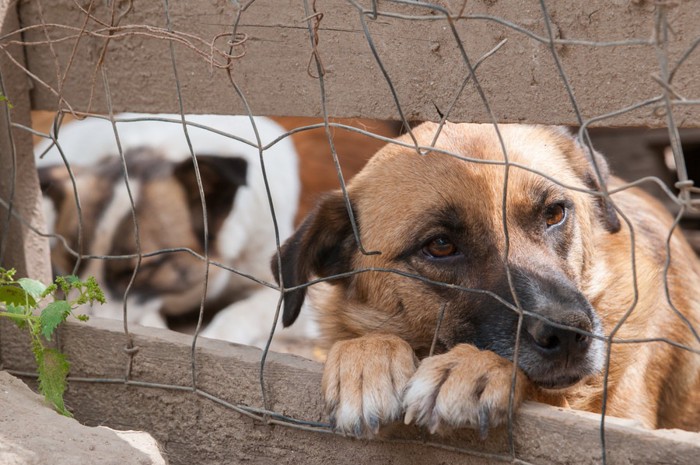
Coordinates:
<point>108,28</point>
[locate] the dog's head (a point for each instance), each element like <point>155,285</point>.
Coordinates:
<point>437,222</point>
<point>168,210</point>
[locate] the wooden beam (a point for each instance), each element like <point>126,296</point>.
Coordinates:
<point>274,68</point>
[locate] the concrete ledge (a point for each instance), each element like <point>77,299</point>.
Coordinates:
<point>193,428</point>
<point>422,58</point>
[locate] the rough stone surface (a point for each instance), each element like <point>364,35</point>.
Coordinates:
<point>33,434</point>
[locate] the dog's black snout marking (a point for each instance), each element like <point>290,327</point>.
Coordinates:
<point>564,334</point>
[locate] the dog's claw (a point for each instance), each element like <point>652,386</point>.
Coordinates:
<point>434,423</point>
<point>483,422</point>
<point>357,430</point>
<point>408,417</point>
<point>373,424</point>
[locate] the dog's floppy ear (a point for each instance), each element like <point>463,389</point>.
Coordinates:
<point>53,181</point>
<point>221,178</point>
<point>585,163</point>
<point>322,246</point>
<point>606,211</point>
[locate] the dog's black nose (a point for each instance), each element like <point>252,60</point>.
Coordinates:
<point>551,341</point>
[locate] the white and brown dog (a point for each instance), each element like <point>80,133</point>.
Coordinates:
<point>241,234</point>
<point>424,326</point>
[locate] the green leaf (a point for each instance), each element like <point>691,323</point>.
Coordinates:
<point>33,287</point>
<point>53,371</point>
<point>16,295</point>
<point>53,315</point>
<point>17,310</point>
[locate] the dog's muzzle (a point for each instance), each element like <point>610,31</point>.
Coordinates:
<point>560,341</point>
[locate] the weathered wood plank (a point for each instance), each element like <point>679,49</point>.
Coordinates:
<point>422,59</point>
<point>195,429</point>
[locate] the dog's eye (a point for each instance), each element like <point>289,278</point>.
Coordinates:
<point>555,214</point>
<point>440,247</point>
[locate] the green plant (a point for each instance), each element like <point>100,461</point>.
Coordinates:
<point>19,301</point>
<point>3,98</point>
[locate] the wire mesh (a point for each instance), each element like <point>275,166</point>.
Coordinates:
<point>89,24</point>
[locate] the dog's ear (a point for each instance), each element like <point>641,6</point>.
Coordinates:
<point>221,178</point>
<point>587,166</point>
<point>606,211</point>
<point>53,181</point>
<point>322,246</point>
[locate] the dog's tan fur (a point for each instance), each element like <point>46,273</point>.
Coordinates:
<point>380,324</point>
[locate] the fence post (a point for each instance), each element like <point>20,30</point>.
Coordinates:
<point>20,248</point>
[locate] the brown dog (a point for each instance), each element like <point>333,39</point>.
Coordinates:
<point>432,225</point>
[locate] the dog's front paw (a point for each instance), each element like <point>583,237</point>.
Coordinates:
<point>363,381</point>
<point>463,387</point>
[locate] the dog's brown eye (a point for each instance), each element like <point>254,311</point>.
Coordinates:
<point>555,214</point>
<point>440,247</point>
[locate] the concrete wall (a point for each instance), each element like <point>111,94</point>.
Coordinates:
<point>194,428</point>
<point>19,247</point>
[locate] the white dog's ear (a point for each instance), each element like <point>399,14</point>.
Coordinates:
<point>322,246</point>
